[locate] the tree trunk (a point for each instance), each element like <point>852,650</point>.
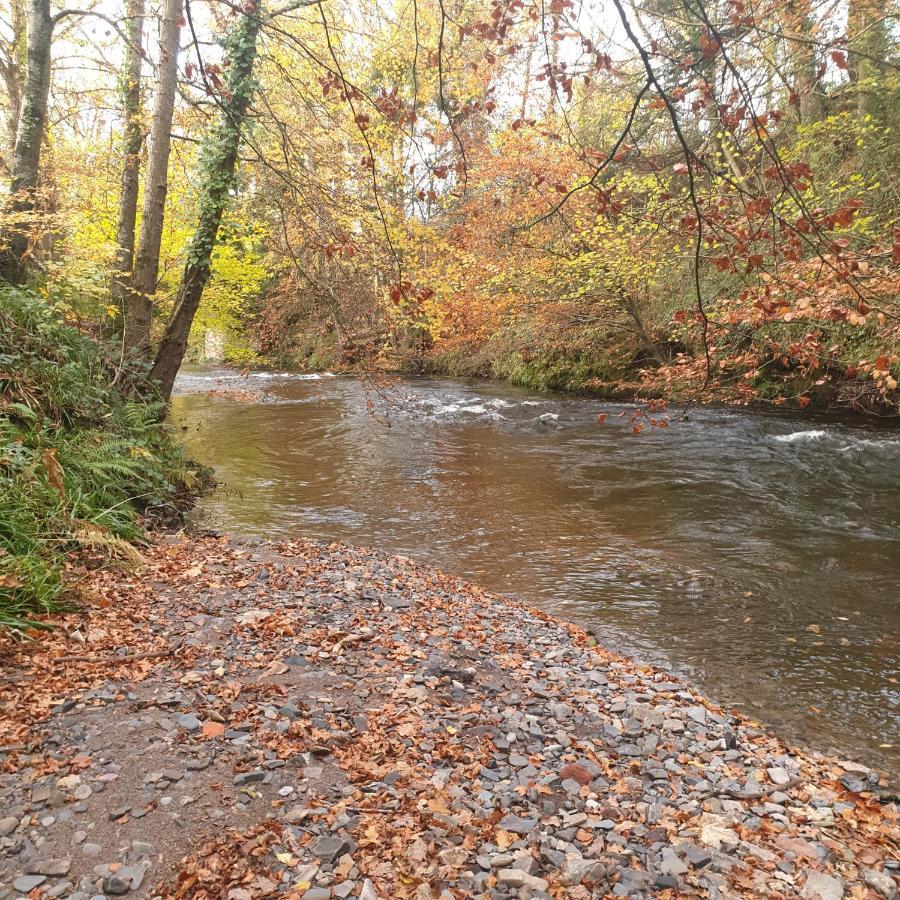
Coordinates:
<point>139,311</point>
<point>217,164</point>
<point>869,46</point>
<point>30,133</point>
<point>804,63</point>
<point>132,141</point>
<point>11,68</point>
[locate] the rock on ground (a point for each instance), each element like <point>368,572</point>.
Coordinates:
<point>245,720</point>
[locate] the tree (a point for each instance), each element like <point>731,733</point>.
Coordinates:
<point>217,167</point>
<point>30,134</point>
<point>139,307</point>
<point>869,33</point>
<point>12,60</point>
<point>132,141</point>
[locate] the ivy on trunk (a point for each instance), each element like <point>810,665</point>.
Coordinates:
<point>217,167</point>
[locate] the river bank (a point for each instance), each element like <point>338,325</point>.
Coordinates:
<point>314,721</point>
<point>587,363</point>
<point>754,555</point>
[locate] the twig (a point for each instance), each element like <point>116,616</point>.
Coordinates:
<point>115,660</point>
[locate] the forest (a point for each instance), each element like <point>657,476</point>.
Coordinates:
<point>668,200</point>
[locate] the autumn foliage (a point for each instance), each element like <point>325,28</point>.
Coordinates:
<point>690,201</point>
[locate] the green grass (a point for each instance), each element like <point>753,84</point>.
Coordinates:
<point>80,462</point>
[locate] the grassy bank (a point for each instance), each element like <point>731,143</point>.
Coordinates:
<point>82,462</point>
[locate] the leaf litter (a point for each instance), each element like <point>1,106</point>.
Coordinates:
<point>308,720</point>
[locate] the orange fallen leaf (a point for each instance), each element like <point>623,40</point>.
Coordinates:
<point>213,729</point>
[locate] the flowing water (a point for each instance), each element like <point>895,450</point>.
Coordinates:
<point>757,555</point>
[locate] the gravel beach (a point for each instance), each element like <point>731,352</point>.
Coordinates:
<point>239,720</point>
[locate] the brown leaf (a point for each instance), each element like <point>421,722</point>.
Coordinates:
<point>576,773</point>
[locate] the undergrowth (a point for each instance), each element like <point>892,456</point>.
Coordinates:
<point>80,462</point>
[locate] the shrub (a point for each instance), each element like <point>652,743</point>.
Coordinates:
<point>80,462</point>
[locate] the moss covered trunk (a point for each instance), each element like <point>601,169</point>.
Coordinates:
<point>218,163</point>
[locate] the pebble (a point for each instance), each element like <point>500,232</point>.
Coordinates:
<point>819,886</point>
<point>53,867</point>
<point>879,881</point>
<point>328,848</point>
<point>189,722</point>
<point>27,883</point>
<point>517,824</point>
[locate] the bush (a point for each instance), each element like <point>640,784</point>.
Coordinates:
<point>80,462</point>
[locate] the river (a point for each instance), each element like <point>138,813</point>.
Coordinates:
<point>757,555</point>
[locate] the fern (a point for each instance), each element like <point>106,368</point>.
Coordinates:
<point>79,461</point>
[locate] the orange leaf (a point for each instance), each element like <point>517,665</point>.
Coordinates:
<point>213,729</point>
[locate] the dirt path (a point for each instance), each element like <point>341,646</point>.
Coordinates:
<point>315,721</point>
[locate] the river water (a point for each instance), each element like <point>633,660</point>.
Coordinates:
<point>757,555</point>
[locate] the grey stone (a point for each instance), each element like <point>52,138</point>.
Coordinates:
<point>134,875</point>
<point>90,849</point>
<point>575,870</point>
<point>517,825</point>
<point>671,863</point>
<point>697,714</point>
<point>698,857</point>
<point>249,777</point>
<point>54,867</point>
<point>778,775</point>
<point>512,877</point>
<point>189,722</point>
<point>116,885</point>
<point>26,883</point>
<point>328,848</point>
<point>8,825</point>
<point>41,793</point>
<point>819,886</point>
<point>878,881</point>
<point>316,893</point>
<point>296,814</point>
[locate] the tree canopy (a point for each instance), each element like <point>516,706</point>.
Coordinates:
<point>675,197</point>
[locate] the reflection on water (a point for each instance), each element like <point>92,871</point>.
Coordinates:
<point>758,555</point>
